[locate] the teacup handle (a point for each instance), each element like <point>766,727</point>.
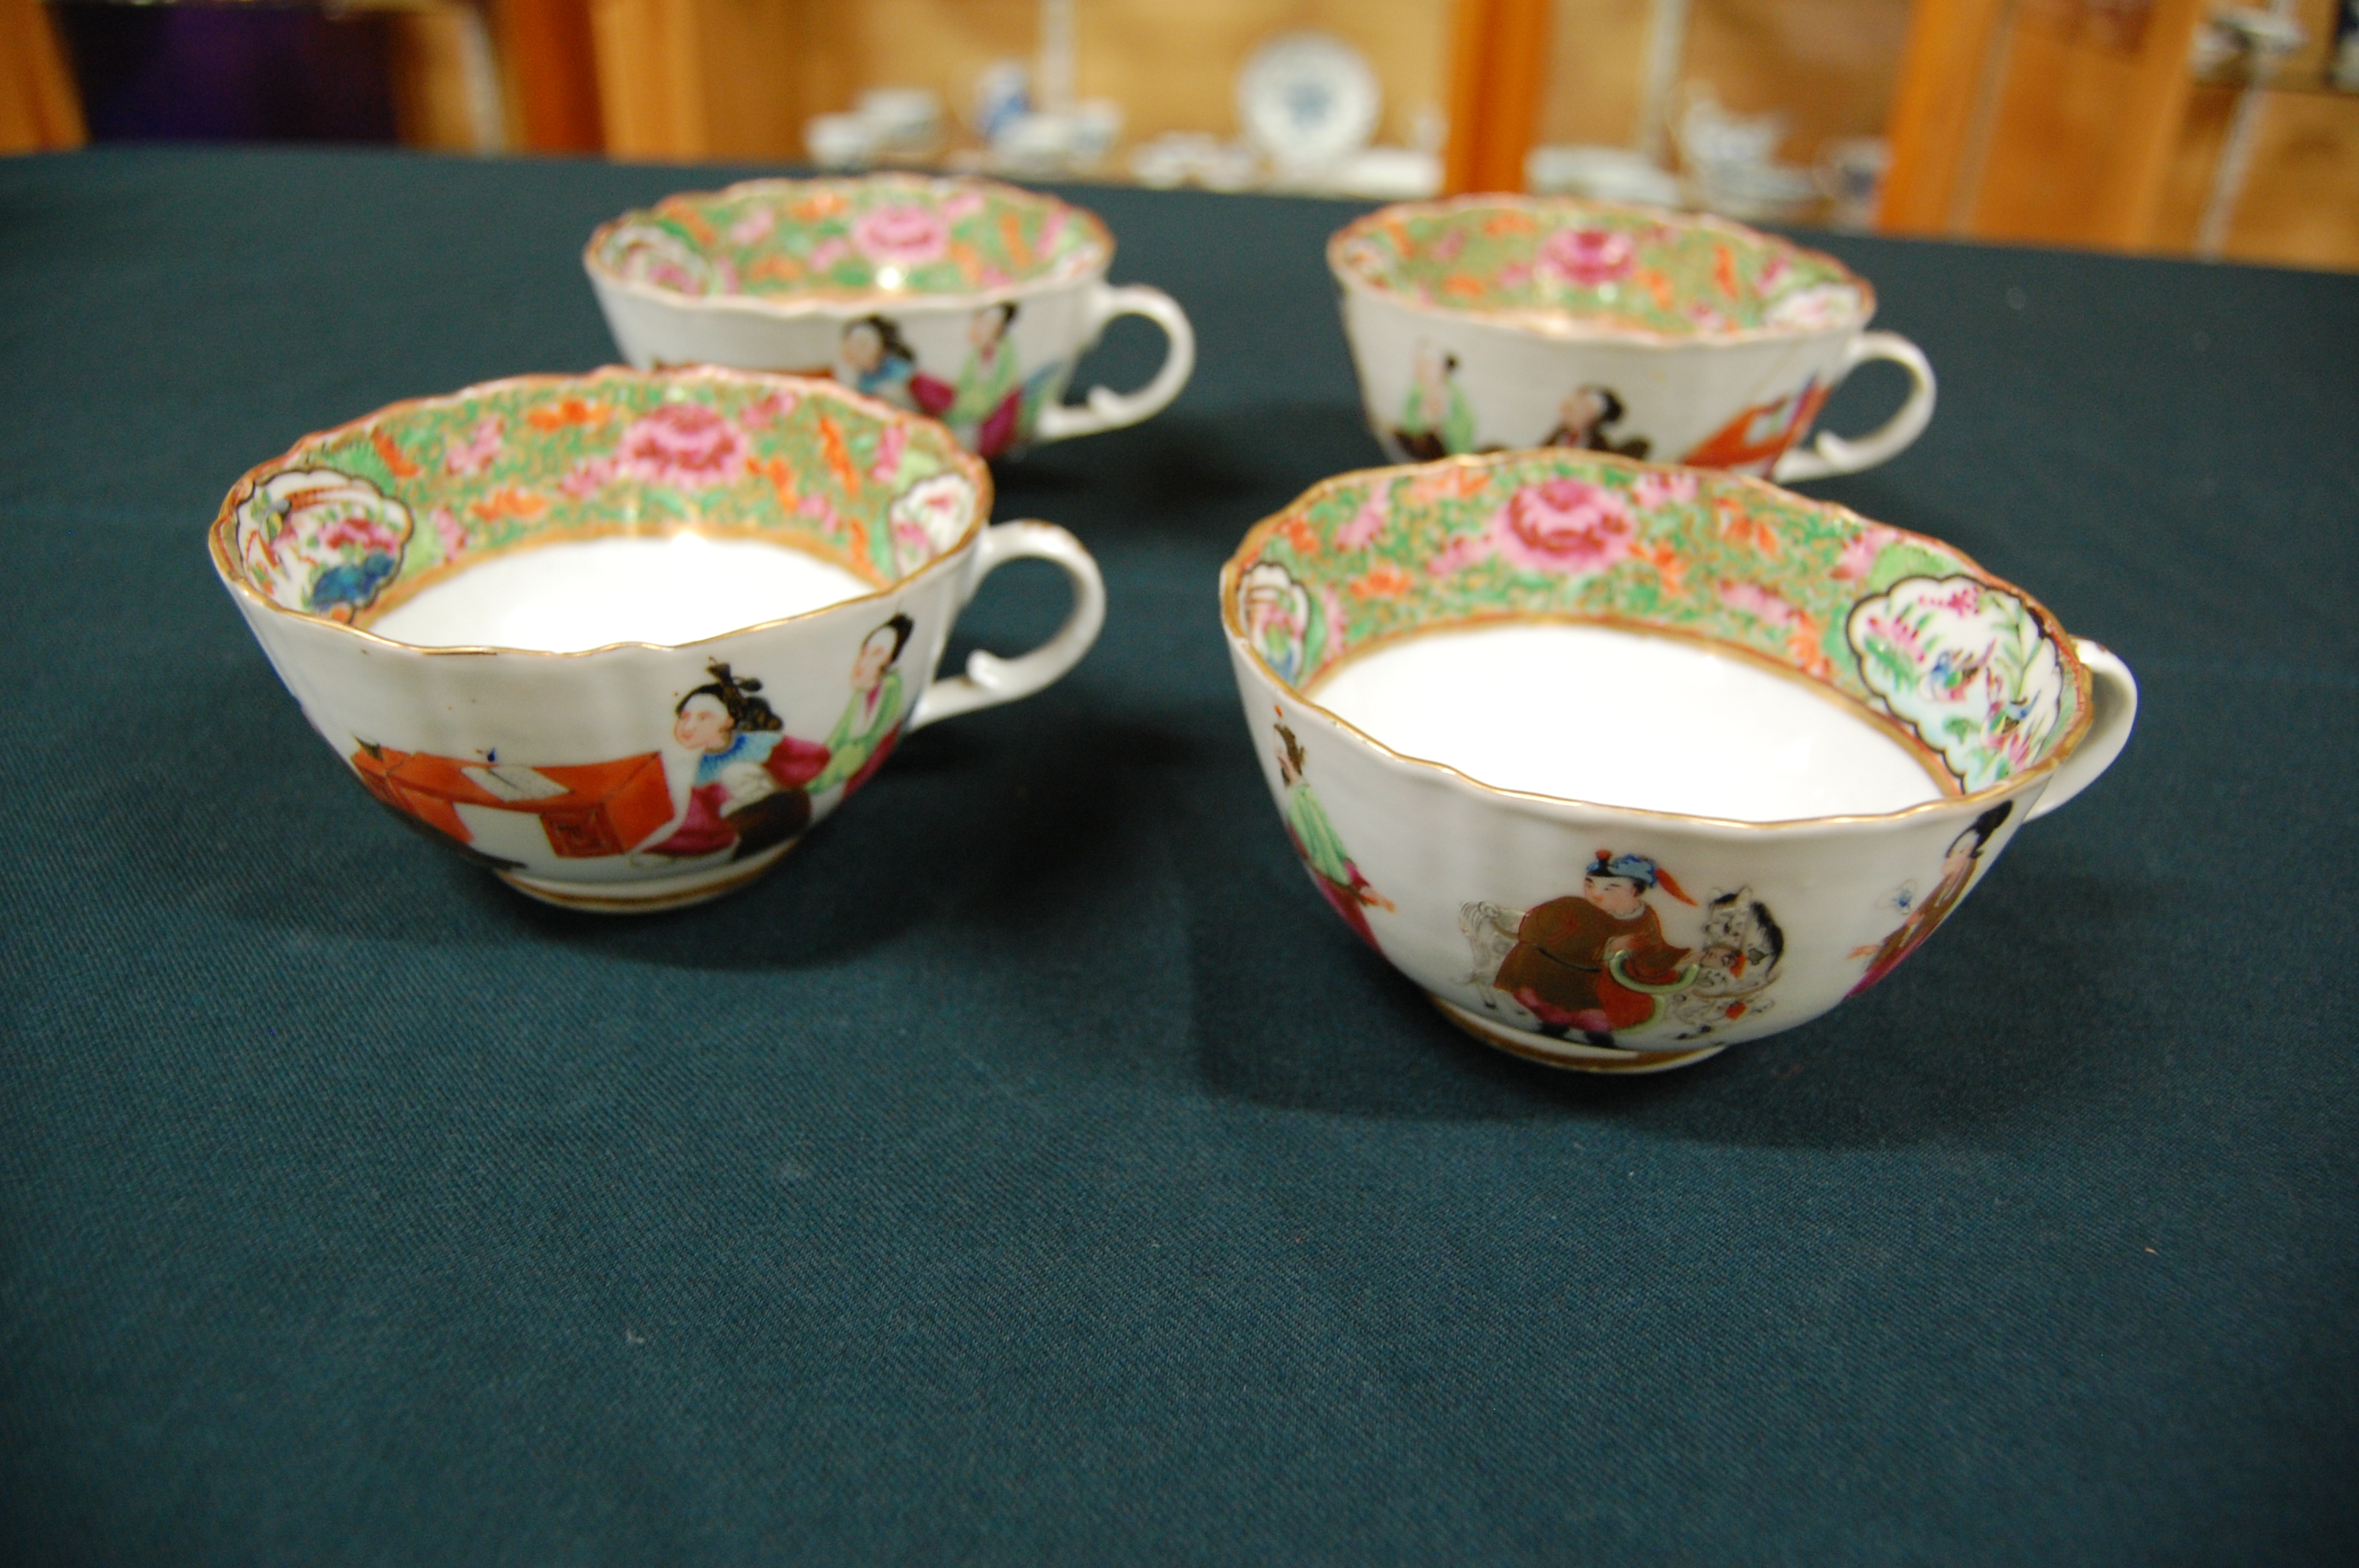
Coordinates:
<point>1830,454</point>
<point>2115,694</point>
<point>1108,409</point>
<point>990,680</point>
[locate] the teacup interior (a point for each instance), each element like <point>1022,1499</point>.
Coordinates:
<point>879,235</point>
<point>563,513</point>
<point>1580,625</point>
<point>1598,264</point>
<point>1777,750</point>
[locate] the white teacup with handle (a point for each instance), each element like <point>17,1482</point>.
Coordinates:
<point>1499,322</point>
<point>968,302</point>
<point>623,638</point>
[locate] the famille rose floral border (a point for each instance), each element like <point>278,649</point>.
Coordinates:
<point>908,233</point>
<point>430,486</point>
<point>1593,538</point>
<point>1592,257</point>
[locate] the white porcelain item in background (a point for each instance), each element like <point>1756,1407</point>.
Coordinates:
<point>1486,323</point>
<point>1800,738</point>
<point>750,578</point>
<point>968,302</point>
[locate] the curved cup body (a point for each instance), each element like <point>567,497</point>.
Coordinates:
<point>1741,406</point>
<point>993,361</point>
<point>1477,893</point>
<point>1671,338</point>
<point>583,778</point>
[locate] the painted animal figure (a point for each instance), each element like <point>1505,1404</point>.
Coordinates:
<point>1742,945</point>
<point>1490,932</point>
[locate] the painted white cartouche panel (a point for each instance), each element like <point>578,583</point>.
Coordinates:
<point>562,599</point>
<point>1619,718</point>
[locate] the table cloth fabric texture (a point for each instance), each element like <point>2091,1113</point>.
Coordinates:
<point>1031,1169</point>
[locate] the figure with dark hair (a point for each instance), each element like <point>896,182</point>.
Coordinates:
<point>1436,421</point>
<point>1332,870</point>
<point>988,411</point>
<point>750,790</point>
<point>1958,863</point>
<point>1596,961</point>
<point>880,362</point>
<point>1583,419</point>
<point>863,737</point>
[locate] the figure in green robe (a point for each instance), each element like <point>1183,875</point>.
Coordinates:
<point>863,737</point>
<point>987,413</point>
<point>1323,855</point>
<point>1436,422</point>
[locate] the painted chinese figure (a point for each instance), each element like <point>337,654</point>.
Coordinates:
<point>1596,961</point>
<point>1436,421</point>
<point>751,787</point>
<point>1329,864</point>
<point>883,365</point>
<point>990,394</point>
<point>1957,871</point>
<point>1582,422</point>
<point>863,737</point>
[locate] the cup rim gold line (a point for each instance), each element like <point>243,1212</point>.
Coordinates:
<point>1557,326</point>
<point>219,535</point>
<point>872,301</point>
<point>1959,803</point>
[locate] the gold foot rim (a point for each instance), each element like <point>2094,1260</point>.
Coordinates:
<point>1563,1053</point>
<point>648,897</point>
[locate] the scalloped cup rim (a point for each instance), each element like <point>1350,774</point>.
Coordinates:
<point>1570,326</point>
<point>1094,263</point>
<point>221,535</point>
<point>1419,766</point>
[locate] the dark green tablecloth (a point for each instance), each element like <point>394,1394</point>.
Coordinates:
<point>1031,1171</point>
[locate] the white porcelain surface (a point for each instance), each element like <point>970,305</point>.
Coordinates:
<point>1777,749</point>
<point>1055,319</point>
<point>562,599</point>
<point>1744,401</point>
<point>1621,851</point>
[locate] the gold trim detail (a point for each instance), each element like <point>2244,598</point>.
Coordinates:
<point>1563,326</point>
<point>1516,1043</point>
<point>222,538</point>
<point>1250,547</point>
<point>899,301</point>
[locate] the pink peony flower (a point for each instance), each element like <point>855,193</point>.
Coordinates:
<point>1858,557</point>
<point>588,478</point>
<point>1514,275</point>
<point>684,445</point>
<point>754,226</point>
<point>828,252</point>
<point>1589,257</point>
<point>1365,526</point>
<point>766,409</point>
<point>1564,525</point>
<point>1655,490</point>
<point>477,453</point>
<point>1460,554</point>
<point>906,236</point>
<point>1752,599</point>
<point>448,528</point>
<point>888,452</point>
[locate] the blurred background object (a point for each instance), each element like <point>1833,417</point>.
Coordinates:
<point>2185,126</point>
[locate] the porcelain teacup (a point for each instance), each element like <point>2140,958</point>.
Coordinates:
<point>624,637</point>
<point>1492,323</point>
<point>965,300</point>
<point>1624,763</point>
